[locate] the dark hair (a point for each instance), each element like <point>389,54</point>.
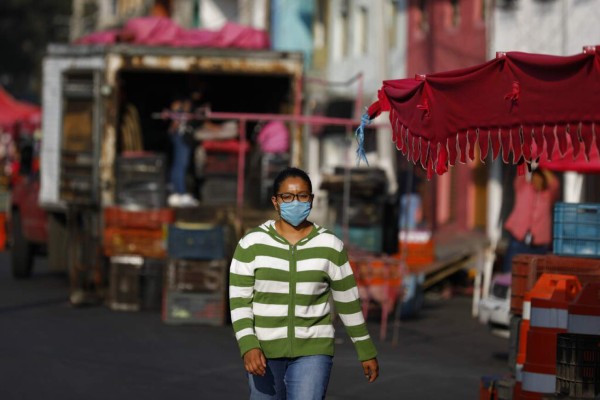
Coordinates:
<point>290,172</point>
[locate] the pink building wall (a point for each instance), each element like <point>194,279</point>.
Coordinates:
<point>445,35</point>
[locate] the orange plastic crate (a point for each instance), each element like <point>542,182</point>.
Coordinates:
<point>418,254</point>
<point>527,268</point>
<point>143,242</point>
<point>117,217</point>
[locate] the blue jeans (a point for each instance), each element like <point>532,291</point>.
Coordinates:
<point>301,378</point>
<point>180,162</point>
<point>517,247</point>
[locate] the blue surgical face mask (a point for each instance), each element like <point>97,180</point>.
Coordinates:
<point>295,212</point>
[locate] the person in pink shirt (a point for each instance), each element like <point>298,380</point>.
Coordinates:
<point>530,221</point>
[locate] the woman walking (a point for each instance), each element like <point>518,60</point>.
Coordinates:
<point>282,276</point>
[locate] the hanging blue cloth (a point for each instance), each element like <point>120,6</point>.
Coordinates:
<point>360,138</point>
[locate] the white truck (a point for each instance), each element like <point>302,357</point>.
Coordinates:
<point>98,101</point>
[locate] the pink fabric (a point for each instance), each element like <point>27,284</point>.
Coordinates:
<point>503,105</point>
<point>532,211</point>
<point>274,138</point>
<point>581,163</point>
<point>160,31</point>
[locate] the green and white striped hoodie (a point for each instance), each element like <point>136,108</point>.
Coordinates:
<point>279,294</point>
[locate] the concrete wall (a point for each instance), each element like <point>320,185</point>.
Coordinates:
<point>360,42</point>
<point>560,27</point>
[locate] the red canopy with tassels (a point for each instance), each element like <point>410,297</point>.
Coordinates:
<point>518,104</point>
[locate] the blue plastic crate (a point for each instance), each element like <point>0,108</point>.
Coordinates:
<point>369,239</point>
<point>577,229</point>
<point>189,242</point>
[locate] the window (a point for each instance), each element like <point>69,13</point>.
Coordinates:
<point>423,22</point>
<point>342,30</point>
<point>455,16</point>
<point>362,30</point>
<point>392,12</point>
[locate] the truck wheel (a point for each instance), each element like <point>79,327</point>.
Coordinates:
<point>21,251</point>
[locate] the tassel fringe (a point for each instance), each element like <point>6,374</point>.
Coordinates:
<point>519,145</point>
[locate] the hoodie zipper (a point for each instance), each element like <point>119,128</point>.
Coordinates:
<point>292,307</point>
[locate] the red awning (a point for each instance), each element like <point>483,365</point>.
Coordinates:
<point>13,112</point>
<point>519,105</point>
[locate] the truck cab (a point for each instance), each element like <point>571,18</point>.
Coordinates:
<point>28,222</point>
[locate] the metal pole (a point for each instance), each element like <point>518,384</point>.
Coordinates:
<point>241,164</point>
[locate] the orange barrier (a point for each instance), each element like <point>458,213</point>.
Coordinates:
<point>527,268</point>
<point>584,312</point>
<point>550,299</point>
<point>2,231</point>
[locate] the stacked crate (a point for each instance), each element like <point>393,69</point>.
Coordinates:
<point>135,242</point>
<point>220,171</point>
<point>196,274</point>
<point>141,180</point>
<point>576,230</point>
<point>365,211</point>
<point>135,232</point>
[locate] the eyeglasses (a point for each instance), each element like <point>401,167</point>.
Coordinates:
<point>289,197</point>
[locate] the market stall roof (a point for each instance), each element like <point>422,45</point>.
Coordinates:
<point>518,105</point>
<point>13,111</point>
<point>161,31</point>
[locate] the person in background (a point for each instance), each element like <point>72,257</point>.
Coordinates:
<point>181,135</point>
<point>282,276</point>
<point>530,221</point>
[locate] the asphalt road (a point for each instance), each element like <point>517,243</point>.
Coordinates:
<point>50,350</point>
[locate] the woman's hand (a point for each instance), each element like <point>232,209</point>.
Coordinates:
<point>371,369</point>
<point>255,362</point>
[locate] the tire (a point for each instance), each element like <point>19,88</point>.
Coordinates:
<point>22,250</point>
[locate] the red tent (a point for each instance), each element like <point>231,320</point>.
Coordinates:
<point>519,104</point>
<point>14,112</point>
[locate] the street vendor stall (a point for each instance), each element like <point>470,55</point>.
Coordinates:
<point>518,106</point>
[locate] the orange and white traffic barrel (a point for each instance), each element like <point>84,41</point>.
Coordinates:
<point>521,353</point>
<point>543,288</point>
<point>584,312</point>
<point>548,318</point>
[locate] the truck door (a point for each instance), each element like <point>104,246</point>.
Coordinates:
<point>80,138</point>
<point>79,182</point>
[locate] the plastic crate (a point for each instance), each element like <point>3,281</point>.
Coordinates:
<point>196,241</point>
<point>577,229</point>
<point>578,366</point>
<point>219,190</point>
<point>368,239</point>
<point>141,242</point>
<point>360,213</point>
<point>193,308</point>
<point>135,283</point>
<point>141,180</point>
<point>220,163</point>
<point>118,217</point>
<point>527,268</point>
<point>197,275</point>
